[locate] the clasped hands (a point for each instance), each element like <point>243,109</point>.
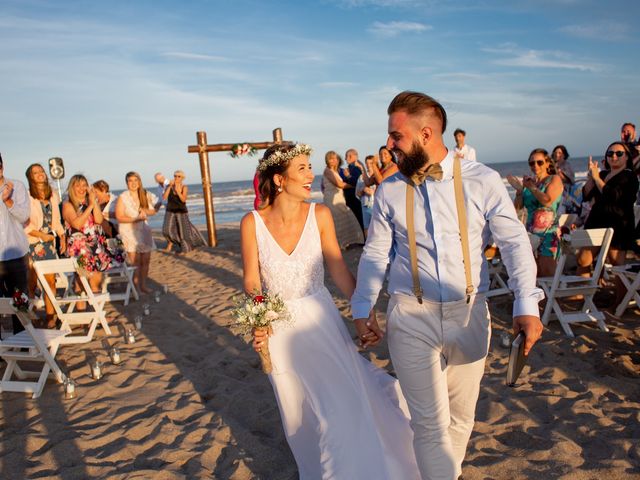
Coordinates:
<point>369,332</point>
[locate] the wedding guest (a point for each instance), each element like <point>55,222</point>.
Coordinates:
<point>134,207</point>
<point>107,202</point>
<point>541,195</point>
<point>571,190</point>
<point>162,184</point>
<point>462,150</point>
<point>438,322</point>
<point>388,166</point>
<point>342,417</point>
<point>613,191</point>
<point>83,230</point>
<point>628,136</point>
<point>177,228</point>
<point>350,175</point>
<point>365,193</point>
<point>346,224</point>
<point>44,230</point>
<point>14,246</point>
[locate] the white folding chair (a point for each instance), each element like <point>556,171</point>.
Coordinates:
<point>498,285</point>
<point>119,275</point>
<point>562,286</point>
<point>631,281</point>
<point>64,305</point>
<point>33,345</point>
<point>567,219</point>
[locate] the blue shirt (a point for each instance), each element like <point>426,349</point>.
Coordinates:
<point>13,240</point>
<point>490,211</point>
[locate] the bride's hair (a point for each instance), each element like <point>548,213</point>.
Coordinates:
<point>266,186</point>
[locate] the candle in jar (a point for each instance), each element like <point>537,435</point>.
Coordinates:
<point>115,356</point>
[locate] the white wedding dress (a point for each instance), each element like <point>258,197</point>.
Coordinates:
<point>344,418</point>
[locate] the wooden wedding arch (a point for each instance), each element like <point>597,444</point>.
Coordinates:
<point>202,149</point>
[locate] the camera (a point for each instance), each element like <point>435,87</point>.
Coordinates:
<point>56,168</point>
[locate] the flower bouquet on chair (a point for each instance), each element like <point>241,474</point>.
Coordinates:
<point>20,301</point>
<point>259,311</point>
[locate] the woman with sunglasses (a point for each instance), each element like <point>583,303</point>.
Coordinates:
<point>541,195</point>
<point>177,228</point>
<point>613,191</point>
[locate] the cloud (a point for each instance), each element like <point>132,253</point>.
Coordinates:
<point>607,31</point>
<point>518,57</point>
<point>393,29</point>
<point>194,56</point>
<point>337,84</point>
<point>380,3</point>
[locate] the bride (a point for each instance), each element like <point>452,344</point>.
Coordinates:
<point>343,417</point>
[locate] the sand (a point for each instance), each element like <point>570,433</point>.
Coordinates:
<point>190,400</point>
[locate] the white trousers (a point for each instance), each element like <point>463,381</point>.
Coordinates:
<point>438,352</point>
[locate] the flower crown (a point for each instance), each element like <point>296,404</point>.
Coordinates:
<point>279,157</point>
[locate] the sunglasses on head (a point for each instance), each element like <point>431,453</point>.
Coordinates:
<point>619,153</point>
<point>536,162</point>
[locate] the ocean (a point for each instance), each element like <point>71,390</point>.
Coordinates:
<point>231,200</point>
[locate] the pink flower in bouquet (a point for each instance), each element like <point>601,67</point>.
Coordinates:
<point>542,220</point>
<point>39,250</point>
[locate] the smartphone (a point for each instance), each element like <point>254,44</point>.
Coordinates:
<point>517,359</point>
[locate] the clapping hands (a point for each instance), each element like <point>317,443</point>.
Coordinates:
<point>594,170</point>
<point>515,183</point>
<point>528,182</point>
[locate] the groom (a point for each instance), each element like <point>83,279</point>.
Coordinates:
<point>437,321</point>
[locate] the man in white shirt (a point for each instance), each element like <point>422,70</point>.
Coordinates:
<point>14,245</point>
<point>464,151</point>
<point>439,330</point>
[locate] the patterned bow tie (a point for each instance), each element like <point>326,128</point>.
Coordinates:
<point>433,171</point>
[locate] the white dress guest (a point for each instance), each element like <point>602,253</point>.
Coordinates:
<point>466,153</point>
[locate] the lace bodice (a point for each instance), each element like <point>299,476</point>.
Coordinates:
<point>292,276</point>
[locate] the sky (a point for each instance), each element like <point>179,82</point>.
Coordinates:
<point>125,85</point>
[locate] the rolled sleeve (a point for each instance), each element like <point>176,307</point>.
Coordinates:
<point>21,208</point>
<point>515,248</point>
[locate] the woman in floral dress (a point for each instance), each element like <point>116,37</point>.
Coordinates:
<point>134,206</point>
<point>85,238</point>
<point>541,195</point>
<point>42,229</point>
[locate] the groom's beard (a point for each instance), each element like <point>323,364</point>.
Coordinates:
<point>410,163</point>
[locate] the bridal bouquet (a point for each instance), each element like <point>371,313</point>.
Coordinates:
<point>259,311</point>
<point>20,301</point>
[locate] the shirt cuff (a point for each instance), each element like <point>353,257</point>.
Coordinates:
<point>527,306</point>
<point>360,310</point>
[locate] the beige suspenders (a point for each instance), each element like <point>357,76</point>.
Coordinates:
<point>462,225</point>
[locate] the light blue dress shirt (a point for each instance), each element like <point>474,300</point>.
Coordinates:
<point>13,240</point>
<point>490,211</point>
